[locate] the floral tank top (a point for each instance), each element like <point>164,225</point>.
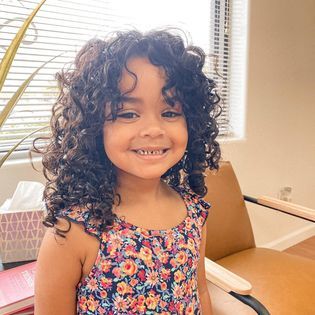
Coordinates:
<point>141,271</point>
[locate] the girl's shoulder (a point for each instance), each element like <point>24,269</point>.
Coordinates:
<point>82,217</point>
<point>63,259</point>
<point>195,203</point>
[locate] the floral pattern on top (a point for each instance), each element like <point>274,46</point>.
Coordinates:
<point>141,271</point>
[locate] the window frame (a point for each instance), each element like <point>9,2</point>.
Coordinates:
<point>236,112</point>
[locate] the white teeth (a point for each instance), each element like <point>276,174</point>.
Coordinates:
<point>145,152</point>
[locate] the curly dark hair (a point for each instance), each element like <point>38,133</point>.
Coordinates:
<point>77,169</point>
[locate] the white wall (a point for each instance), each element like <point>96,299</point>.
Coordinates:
<point>279,148</point>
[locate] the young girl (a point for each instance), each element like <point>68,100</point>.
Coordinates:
<point>133,131</point>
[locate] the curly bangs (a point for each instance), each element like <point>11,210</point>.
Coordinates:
<point>76,167</point>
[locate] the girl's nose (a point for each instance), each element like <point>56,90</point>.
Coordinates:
<point>152,128</point>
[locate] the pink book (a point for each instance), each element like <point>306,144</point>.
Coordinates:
<point>17,289</point>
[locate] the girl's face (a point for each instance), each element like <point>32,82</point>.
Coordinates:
<point>149,136</point>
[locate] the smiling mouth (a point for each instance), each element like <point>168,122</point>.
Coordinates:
<point>150,152</point>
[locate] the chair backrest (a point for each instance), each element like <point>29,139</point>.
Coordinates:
<point>228,226</point>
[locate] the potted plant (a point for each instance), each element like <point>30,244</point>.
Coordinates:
<point>17,240</point>
<point>5,66</point>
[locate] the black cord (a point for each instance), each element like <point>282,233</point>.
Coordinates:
<point>252,302</point>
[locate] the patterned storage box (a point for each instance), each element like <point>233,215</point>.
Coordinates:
<point>21,233</point>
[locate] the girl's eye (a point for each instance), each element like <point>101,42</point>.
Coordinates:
<point>171,114</point>
<point>127,115</point>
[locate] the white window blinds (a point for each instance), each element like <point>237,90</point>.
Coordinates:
<point>64,26</point>
<point>219,59</point>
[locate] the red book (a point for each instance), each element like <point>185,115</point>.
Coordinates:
<point>27,311</point>
<point>17,289</point>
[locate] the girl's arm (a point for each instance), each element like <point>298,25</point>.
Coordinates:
<point>201,274</point>
<point>58,270</point>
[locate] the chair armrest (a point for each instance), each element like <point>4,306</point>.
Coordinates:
<point>287,207</point>
<point>234,285</point>
<point>225,279</point>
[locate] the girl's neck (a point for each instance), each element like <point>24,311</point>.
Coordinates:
<point>141,190</point>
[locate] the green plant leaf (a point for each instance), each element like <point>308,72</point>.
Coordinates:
<point>17,95</point>
<point>5,157</point>
<point>11,51</point>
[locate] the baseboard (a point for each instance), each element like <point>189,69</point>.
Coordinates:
<point>291,239</point>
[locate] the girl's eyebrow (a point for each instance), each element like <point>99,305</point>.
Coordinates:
<point>138,100</point>
<point>131,99</point>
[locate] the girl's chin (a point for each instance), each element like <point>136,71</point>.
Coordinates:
<point>148,176</point>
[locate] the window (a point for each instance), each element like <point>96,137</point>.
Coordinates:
<point>62,27</point>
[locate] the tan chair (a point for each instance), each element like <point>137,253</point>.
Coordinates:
<point>283,283</point>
